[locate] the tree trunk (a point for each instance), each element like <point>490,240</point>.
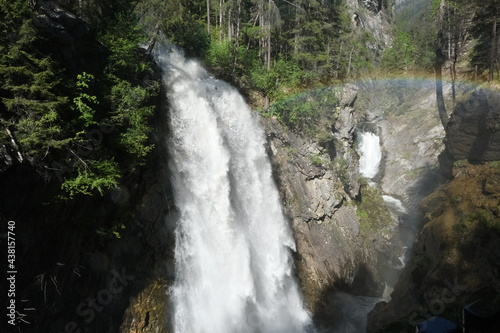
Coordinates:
<point>208,17</point>
<point>297,30</point>
<point>268,58</point>
<point>493,49</point>
<point>238,22</point>
<point>455,43</point>
<point>229,26</point>
<point>440,60</point>
<point>19,156</point>
<point>221,17</point>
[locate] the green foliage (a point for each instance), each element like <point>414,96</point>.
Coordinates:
<point>13,14</point>
<point>460,163</point>
<point>316,32</point>
<point>92,176</point>
<point>283,74</point>
<point>316,160</point>
<point>131,113</point>
<point>273,47</point>
<point>122,37</point>
<point>220,56</point>
<point>179,21</point>
<point>486,219</point>
<point>418,21</point>
<point>401,55</point>
<point>130,104</point>
<point>486,30</point>
<point>50,112</point>
<point>30,101</point>
<point>303,111</point>
<point>363,216</point>
<point>372,211</point>
<point>192,36</point>
<point>361,54</point>
<point>233,62</point>
<point>115,232</point>
<point>84,103</point>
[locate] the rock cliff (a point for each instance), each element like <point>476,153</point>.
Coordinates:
<point>321,190</point>
<point>455,257</point>
<point>403,113</point>
<point>473,132</point>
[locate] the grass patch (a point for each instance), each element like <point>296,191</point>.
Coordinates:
<point>484,219</point>
<point>460,163</point>
<point>316,160</point>
<point>302,111</point>
<point>495,164</point>
<point>372,211</point>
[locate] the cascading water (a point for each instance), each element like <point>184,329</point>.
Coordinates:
<point>233,261</point>
<point>371,154</point>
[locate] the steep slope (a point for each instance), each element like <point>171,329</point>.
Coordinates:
<point>456,255</point>
<point>320,188</point>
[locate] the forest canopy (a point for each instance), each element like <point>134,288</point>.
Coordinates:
<point>71,70</point>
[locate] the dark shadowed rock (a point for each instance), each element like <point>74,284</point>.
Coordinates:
<point>473,132</point>
<point>69,39</point>
<point>455,259</point>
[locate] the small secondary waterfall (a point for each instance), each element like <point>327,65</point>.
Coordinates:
<point>233,243</point>
<point>371,154</point>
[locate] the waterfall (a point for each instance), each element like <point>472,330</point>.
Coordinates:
<point>233,243</point>
<point>371,154</point>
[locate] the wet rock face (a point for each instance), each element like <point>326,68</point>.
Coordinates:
<point>324,226</point>
<point>473,132</point>
<point>412,143</point>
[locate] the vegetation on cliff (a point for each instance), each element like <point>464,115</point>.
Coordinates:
<point>80,121</point>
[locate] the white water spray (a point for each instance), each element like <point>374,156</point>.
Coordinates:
<point>395,205</point>
<point>233,260</point>
<point>371,154</point>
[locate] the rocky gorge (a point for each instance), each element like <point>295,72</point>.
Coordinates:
<point>338,248</point>
<point>455,257</point>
